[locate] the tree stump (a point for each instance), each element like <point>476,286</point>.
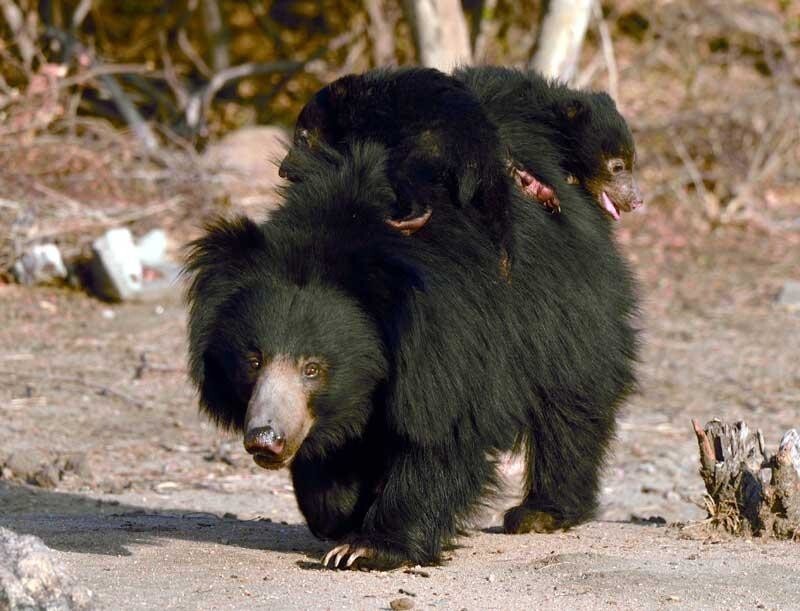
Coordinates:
<point>750,492</point>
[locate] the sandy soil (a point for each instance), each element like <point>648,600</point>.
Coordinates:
<point>163,511</point>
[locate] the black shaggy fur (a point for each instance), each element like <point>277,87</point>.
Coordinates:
<point>438,363</point>
<point>443,150</point>
<point>550,129</point>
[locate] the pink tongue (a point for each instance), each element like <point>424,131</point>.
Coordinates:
<point>609,206</point>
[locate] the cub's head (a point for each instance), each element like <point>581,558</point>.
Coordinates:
<point>600,151</point>
<point>324,121</point>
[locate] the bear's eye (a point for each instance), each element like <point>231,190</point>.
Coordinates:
<point>616,166</point>
<point>254,362</point>
<point>311,370</point>
<point>302,137</point>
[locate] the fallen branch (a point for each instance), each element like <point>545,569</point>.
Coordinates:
<point>123,103</point>
<point>82,227</point>
<point>199,103</point>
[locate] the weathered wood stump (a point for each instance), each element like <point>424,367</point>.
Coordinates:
<point>748,491</point>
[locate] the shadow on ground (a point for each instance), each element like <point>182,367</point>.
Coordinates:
<point>76,523</point>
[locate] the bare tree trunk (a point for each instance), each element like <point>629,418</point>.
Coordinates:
<point>23,32</point>
<point>440,32</point>
<point>381,33</point>
<point>215,28</point>
<point>560,38</point>
<point>484,28</point>
<point>748,491</point>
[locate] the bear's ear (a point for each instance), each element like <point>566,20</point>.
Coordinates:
<point>227,246</point>
<point>573,111</point>
<point>216,265</point>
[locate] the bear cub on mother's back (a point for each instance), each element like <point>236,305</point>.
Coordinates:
<point>443,151</point>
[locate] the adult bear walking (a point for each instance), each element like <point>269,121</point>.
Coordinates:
<point>389,371</point>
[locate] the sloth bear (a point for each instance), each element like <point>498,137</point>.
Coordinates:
<point>388,372</point>
<point>442,149</point>
<point>555,134</point>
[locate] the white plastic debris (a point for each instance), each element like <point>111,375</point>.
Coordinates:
<point>40,264</point>
<point>116,268</point>
<point>152,247</point>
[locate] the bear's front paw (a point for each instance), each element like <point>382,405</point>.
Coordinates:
<point>363,556</point>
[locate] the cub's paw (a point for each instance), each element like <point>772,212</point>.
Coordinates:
<point>521,519</point>
<point>363,556</point>
<point>535,189</point>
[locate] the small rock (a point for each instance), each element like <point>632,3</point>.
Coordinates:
<point>491,578</point>
<point>40,264</point>
<point>152,247</point>
<point>31,577</point>
<point>789,296</point>
<point>416,571</point>
<point>401,603</point>
<point>116,268</point>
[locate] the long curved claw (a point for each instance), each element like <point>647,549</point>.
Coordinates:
<point>411,225</point>
<point>336,551</point>
<point>344,556</point>
<point>360,552</point>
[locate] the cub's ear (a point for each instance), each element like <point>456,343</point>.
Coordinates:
<point>573,111</point>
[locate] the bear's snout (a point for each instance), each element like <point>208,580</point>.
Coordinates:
<point>265,441</point>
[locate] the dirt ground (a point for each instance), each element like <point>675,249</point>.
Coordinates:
<point>151,507</point>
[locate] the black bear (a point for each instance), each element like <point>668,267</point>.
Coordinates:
<point>555,134</point>
<point>443,151</point>
<point>387,372</point>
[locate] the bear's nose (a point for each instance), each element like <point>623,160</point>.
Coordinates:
<point>264,441</point>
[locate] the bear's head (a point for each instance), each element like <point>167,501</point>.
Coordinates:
<point>289,364</point>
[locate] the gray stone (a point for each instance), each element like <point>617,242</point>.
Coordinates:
<point>116,268</point>
<point>245,164</point>
<point>40,264</point>
<point>790,295</point>
<point>32,578</point>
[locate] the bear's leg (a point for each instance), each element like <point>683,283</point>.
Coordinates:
<point>427,492</point>
<point>564,457</point>
<point>333,494</point>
